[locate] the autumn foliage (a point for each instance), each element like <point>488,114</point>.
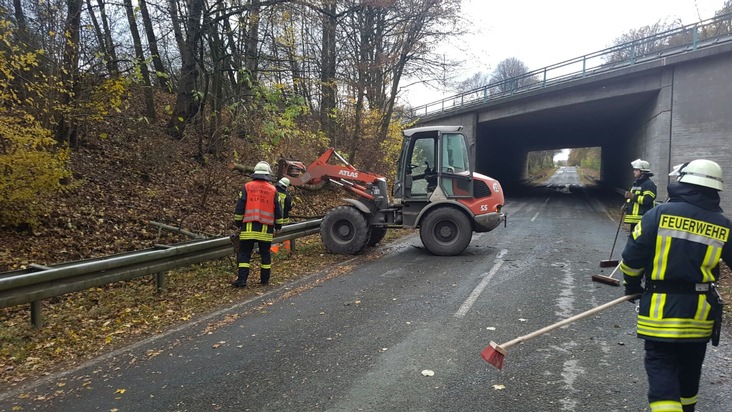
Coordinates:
<point>31,164</point>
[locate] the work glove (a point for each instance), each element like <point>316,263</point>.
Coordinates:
<point>234,239</point>
<point>633,289</point>
<point>628,195</point>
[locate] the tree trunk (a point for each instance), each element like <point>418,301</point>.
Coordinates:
<point>100,36</point>
<point>66,131</point>
<point>140,57</point>
<point>186,107</point>
<point>19,16</point>
<point>113,65</point>
<point>160,73</point>
<point>251,54</point>
<point>328,87</point>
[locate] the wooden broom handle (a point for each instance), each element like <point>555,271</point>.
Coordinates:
<point>569,320</point>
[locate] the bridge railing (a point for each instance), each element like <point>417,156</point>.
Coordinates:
<point>675,41</point>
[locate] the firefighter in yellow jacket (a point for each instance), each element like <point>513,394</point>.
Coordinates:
<point>672,258</point>
<point>641,197</point>
<point>258,215</point>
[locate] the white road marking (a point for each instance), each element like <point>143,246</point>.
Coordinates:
<point>542,208</point>
<point>465,307</point>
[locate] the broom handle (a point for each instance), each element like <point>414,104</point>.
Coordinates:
<point>617,232</point>
<point>615,270</point>
<point>568,320</point>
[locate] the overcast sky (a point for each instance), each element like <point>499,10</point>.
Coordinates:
<point>541,33</point>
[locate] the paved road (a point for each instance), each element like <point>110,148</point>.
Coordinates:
<point>361,336</point>
<point>564,178</point>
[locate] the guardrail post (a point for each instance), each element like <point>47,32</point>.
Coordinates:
<point>161,282</point>
<point>632,53</point>
<point>36,316</point>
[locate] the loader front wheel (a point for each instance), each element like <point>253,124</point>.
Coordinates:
<point>344,230</point>
<point>377,233</point>
<point>446,231</point>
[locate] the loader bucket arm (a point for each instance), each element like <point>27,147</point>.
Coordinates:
<point>343,174</point>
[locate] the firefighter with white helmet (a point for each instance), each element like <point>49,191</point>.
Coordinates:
<point>257,215</point>
<point>672,259</point>
<point>284,198</point>
<point>641,196</point>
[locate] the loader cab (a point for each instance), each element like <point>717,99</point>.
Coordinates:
<point>433,164</point>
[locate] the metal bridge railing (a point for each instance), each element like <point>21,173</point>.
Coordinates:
<point>679,40</point>
<point>38,282</point>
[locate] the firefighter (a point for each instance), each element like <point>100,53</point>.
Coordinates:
<point>285,201</point>
<point>284,198</point>
<point>672,258</point>
<point>641,197</point>
<point>258,216</point>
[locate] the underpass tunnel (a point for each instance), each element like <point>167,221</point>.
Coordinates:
<point>616,125</point>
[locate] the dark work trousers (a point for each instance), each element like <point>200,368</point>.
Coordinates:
<point>245,256</point>
<point>674,370</point>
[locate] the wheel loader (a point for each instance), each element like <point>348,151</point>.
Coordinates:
<point>436,191</point>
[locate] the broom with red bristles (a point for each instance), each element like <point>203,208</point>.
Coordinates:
<point>495,353</point>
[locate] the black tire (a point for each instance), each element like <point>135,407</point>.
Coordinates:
<point>377,233</point>
<point>344,230</point>
<point>446,231</point>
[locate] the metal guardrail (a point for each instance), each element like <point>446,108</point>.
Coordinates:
<point>683,39</point>
<point>38,282</point>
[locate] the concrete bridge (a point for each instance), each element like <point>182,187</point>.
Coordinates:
<point>669,106</point>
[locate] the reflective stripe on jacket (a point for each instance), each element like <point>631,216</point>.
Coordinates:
<point>256,231</point>
<point>644,195</point>
<point>679,245</point>
<point>285,201</point>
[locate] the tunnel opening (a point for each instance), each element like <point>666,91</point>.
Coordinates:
<point>609,127</point>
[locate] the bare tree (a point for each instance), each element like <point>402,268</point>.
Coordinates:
<point>140,60</point>
<point>477,80</point>
<point>186,106</point>
<point>328,84</point>
<point>104,38</point>
<point>66,131</point>
<point>510,75</point>
<point>152,43</point>
<point>643,41</point>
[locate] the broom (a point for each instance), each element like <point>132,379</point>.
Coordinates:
<point>495,353</point>
<point>608,280</point>
<point>613,262</point>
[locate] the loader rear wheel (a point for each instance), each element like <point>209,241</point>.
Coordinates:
<point>377,233</point>
<point>446,231</point>
<point>344,230</point>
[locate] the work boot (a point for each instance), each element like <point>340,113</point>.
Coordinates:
<point>265,276</point>
<point>688,408</point>
<point>241,280</point>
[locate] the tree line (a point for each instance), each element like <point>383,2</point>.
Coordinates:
<point>315,72</point>
<point>277,73</point>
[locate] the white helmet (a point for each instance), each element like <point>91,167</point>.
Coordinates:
<point>701,172</point>
<point>641,165</point>
<point>284,182</point>
<point>262,171</point>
